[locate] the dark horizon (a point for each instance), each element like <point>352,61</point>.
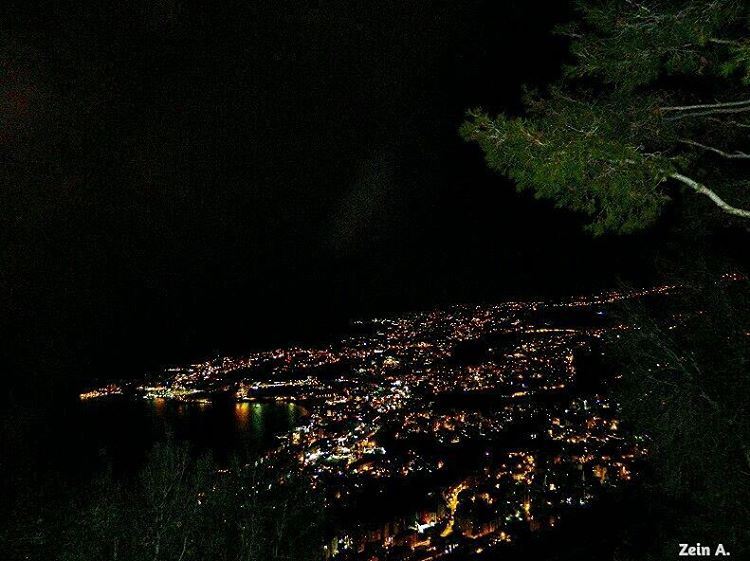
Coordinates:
<point>189,182</point>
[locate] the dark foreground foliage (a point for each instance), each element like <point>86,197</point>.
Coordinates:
<point>177,507</point>
<point>685,382</point>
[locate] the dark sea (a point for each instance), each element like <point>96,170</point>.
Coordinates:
<point>119,433</point>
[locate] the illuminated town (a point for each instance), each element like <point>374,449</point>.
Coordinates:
<point>439,434</point>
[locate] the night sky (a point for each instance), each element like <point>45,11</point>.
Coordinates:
<point>180,180</point>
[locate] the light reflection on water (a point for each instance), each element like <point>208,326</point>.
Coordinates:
<point>242,414</point>
<point>125,430</point>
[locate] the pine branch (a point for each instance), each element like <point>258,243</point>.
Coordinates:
<point>731,123</point>
<point>728,155</point>
<point>717,200</point>
<point>706,106</point>
<point>718,111</point>
<point>730,42</point>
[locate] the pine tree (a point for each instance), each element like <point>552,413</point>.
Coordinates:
<point>657,97</point>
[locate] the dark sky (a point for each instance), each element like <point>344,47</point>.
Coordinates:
<point>186,178</point>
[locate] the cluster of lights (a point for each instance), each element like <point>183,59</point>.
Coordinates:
<point>389,406</point>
